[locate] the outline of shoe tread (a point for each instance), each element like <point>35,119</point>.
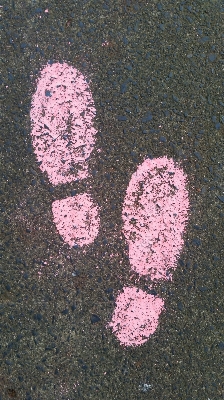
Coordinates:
<point>155,208</point>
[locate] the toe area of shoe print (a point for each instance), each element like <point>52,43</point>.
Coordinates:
<point>155,214</point>
<point>136,316</point>
<point>62,111</point>
<point>76,219</point>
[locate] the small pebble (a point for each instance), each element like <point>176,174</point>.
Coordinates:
<point>47,93</point>
<point>122,118</point>
<point>65,312</point>
<point>212,57</point>
<point>198,155</point>
<point>38,317</point>
<point>147,118</point>
<point>94,318</point>
<point>221,198</point>
<point>196,241</point>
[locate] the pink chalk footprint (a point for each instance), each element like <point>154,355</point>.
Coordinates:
<point>155,210</point>
<point>155,214</point>
<point>63,138</point>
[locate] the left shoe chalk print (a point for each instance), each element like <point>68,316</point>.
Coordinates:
<point>156,206</point>
<point>63,138</point>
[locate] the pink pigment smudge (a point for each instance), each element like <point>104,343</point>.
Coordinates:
<point>155,210</point>
<point>62,113</point>
<point>136,316</point>
<point>155,214</point>
<point>76,219</point>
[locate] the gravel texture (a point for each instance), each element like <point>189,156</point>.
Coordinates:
<point>157,78</point>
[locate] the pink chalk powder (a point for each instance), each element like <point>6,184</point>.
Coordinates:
<point>135,317</point>
<point>155,210</point>
<point>63,138</point>
<point>62,112</point>
<point>155,214</point>
<point>76,219</point>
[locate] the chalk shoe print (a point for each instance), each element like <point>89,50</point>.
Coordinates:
<point>63,138</point>
<point>155,209</point>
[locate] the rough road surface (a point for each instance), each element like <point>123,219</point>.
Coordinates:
<point>111,199</point>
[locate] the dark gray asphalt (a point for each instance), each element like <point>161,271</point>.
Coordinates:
<point>166,59</point>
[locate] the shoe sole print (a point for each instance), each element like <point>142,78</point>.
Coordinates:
<point>155,208</point>
<point>63,138</point>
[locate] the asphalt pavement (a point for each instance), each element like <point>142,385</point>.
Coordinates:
<point>156,73</point>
